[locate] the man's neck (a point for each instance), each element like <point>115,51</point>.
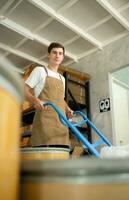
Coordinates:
<point>53,68</point>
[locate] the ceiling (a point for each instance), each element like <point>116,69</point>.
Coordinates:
<point>27,27</point>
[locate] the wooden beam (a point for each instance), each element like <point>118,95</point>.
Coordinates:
<point>74,73</point>
<point>76,29</point>
<point>114,13</point>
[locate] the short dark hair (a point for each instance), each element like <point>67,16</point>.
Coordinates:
<point>55,45</point>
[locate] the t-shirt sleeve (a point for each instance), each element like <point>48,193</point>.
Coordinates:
<point>34,78</point>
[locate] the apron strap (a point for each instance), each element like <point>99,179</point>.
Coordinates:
<point>45,70</point>
<point>49,76</point>
<point>61,78</point>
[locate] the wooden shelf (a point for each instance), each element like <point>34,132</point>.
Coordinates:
<point>75,74</point>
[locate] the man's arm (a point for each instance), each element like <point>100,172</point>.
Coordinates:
<point>36,102</point>
<point>69,112</point>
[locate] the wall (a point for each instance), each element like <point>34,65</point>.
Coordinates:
<point>98,65</point>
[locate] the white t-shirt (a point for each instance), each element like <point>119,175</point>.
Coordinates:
<point>37,78</point>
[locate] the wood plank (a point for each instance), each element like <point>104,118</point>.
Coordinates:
<point>74,73</point>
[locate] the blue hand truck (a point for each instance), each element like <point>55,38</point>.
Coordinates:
<point>73,127</point>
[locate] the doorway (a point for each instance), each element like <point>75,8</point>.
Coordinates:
<point>119,93</point>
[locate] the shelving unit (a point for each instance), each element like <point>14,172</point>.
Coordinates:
<point>75,105</point>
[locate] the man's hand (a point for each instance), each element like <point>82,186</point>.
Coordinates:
<point>70,114</point>
<point>38,104</point>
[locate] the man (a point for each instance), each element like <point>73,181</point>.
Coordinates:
<point>48,85</point>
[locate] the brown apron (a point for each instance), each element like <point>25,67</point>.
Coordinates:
<point>47,128</point>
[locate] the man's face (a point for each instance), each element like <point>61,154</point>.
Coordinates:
<point>56,56</point>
